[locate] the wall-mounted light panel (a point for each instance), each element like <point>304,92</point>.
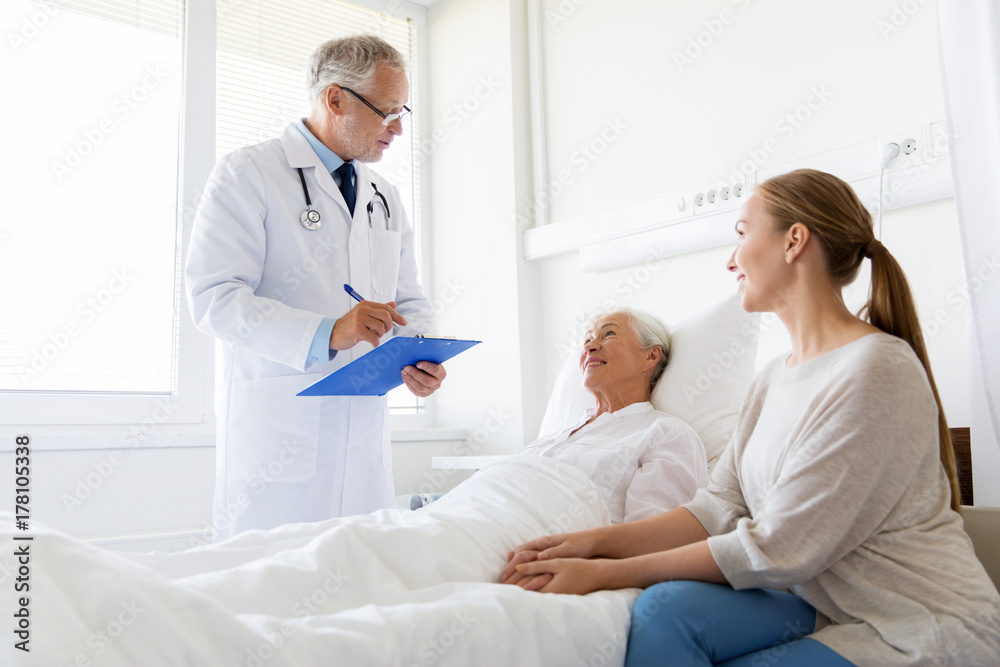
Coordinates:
<point>703,216</point>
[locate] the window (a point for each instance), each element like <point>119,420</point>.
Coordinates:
<point>88,242</point>
<point>263,47</point>
<point>108,112</point>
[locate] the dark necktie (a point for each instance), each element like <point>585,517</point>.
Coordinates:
<point>347,188</point>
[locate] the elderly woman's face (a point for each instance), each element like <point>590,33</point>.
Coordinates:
<point>611,355</point>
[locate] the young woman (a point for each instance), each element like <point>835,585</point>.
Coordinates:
<point>838,484</point>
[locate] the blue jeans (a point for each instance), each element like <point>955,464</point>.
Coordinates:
<point>696,623</point>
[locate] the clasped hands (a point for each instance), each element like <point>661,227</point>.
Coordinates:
<point>557,564</point>
<point>369,321</point>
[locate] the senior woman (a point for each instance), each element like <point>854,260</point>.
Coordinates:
<point>642,460</point>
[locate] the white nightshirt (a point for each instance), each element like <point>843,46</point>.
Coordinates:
<point>643,461</point>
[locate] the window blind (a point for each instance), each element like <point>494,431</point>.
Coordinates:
<point>162,16</point>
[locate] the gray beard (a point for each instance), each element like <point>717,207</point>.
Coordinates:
<point>356,146</point>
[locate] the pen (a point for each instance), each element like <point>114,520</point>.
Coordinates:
<point>350,290</point>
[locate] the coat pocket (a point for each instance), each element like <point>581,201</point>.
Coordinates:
<point>384,245</point>
<point>272,434</point>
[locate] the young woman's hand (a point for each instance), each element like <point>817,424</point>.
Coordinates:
<point>577,576</point>
<point>565,545</point>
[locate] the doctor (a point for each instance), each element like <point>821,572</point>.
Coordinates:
<point>282,226</point>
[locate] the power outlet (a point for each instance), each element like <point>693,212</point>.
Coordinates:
<point>706,199</point>
<point>717,196</point>
<point>912,142</point>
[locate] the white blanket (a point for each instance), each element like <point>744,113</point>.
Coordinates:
<point>390,588</point>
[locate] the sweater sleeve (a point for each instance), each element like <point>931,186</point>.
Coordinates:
<point>855,451</point>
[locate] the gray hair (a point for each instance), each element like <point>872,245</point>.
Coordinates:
<point>349,61</point>
<point>649,332</point>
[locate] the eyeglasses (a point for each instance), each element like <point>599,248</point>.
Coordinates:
<point>386,118</point>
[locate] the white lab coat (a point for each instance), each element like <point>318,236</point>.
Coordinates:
<point>261,283</point>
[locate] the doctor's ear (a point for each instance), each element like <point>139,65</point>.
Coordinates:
<point>332,98</point>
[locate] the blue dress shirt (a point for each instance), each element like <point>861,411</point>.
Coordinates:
<point>320,350</point>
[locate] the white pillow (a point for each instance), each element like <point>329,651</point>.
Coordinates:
<point>710,369</point>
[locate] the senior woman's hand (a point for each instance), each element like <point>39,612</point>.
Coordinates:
<point>511,575</point>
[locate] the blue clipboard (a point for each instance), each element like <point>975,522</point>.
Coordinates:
<point>378,371</point>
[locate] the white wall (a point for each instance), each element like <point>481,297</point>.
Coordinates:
<point>479,170</point>
<point>98,493</point>
<point>695,122</point>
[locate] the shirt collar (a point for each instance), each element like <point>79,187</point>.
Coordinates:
<point>331,161</point>
<point>630,409</point>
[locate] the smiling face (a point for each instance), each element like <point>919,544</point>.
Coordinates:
<point>612,362</point>
<point>361,131</point>
<point>758,261</point>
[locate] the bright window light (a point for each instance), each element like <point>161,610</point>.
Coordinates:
<point>88,243</point>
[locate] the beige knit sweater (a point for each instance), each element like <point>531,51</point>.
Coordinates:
<point>832,487</point>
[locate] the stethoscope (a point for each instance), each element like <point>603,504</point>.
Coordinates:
<point>312,221</point>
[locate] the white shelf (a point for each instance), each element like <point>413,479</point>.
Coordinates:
<point>463,462</point>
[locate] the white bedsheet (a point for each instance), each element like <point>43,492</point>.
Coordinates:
<point>390,588</point>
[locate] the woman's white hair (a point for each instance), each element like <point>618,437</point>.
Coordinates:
<point>649,332</point>
<point>351,62</point>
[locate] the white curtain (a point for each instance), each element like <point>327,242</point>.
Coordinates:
<point>969,37</point>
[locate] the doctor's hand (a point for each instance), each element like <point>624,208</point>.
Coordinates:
<point>424,378</point>
<point>367,321</point>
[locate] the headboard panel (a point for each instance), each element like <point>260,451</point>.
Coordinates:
<point>962,442</point>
